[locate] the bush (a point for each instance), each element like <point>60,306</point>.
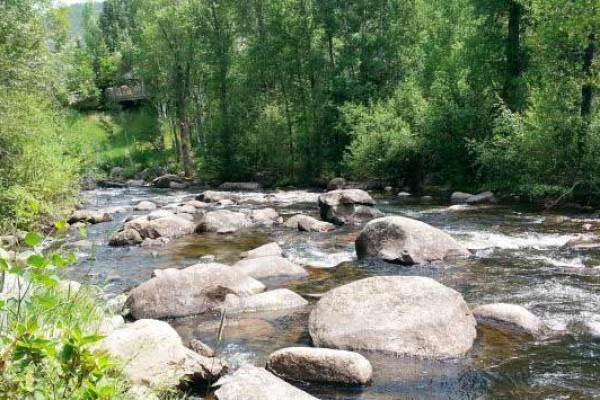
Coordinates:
<point>46,332</point>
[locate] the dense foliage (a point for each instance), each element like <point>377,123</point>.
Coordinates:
<point>494,93</point>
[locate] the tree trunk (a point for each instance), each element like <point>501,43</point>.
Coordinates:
<point>514,57</point>
<point>587,91</point>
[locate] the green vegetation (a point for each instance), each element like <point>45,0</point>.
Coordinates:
<point>46,329</point>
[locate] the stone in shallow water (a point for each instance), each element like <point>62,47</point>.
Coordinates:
<point>89,216</point>
<point>510,317</point>
<point>349,206</point>
<point>307,364</point>
<point>193,290</point>
<point>269,249</point>
<point>223,221</point>
<point>274,300</point>
<point>270,267</point>
<point>253,383</point>
<point>307,223</point>
<point>398,315</point>
<point>406,241</point>
<point>145,206</point>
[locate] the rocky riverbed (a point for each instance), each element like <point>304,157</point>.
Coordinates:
<point>548,347</point>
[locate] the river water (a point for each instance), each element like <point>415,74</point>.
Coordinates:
<point>519,258</point>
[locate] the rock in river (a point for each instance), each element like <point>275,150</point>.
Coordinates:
<point>406,241</point>
<point>273,300</point>
<point>510,317</point>
<point>126,237</point>
<point>193,290</point>
<point>269,249</point>
<point>223,221</point>
<point>308,364</point>
<point>253,383</point>
<point>167,227</point>
<point>350,206</point>
<point>89,216</point>
<point>307,223</point>
<point>398,315</point>
<point>270,267</point>
<point>153,355</point>
<point>145,206</point>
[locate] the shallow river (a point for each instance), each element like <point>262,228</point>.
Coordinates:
<point>519,258</point>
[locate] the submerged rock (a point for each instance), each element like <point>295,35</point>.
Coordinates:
<point>270,267</point>
<point>274,300</point>
<point>398,315</point>
<point>153,355</point>
<point>406,241</point>
<point>307,223</point>
<point>223,221</point>
<point>89,216</point>
<point>351,206</point>
<point>253,383</point>
<point>510,317</point>
<point>307,364</point>
<point>269,249</point>
<point>193,290</point>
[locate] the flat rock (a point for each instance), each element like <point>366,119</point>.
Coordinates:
<point>406,241</point>
<point>269,249</point>
<point>253,383</point>
<point>240,186</point>
<point>510,317</point>
<point>270,267</point>
<point>273,300</point>
<point>194,290</point>
<point>223,221</point>
<point>211,196</point>
<point>89,216</point>
<point>397,315</point>
<point>482,198</point>
<point>460,197</point>
<point>153,355</point>
<point>307,223</point>
<point>308,364</point>
<point>266,217</point>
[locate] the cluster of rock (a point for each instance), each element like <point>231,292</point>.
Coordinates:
<point>349,206</point>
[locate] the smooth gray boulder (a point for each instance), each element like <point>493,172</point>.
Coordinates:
<point>269,249</point>
<point>158,214</point>
<point>89,216</point>
<point>171,182</point>
<point>460,197</point>
<point>223,221</point>
<point>270,267</point>
<point>266,217</point>
<point>307,223</point>
<point>397,315</point>
<point>167,227</point>
<point>153,355</point>
<point>510,317</point>
<point>126,237</point>
<point>145,206</point>
<point>273,300</point>
<point>194,290</point>
<point>253,383</point>
<point>309,364</point>
<point>482,198</point>
<point>406,241</point>
<point>349,206</point>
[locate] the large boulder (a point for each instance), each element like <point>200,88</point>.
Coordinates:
<point>460,197</point>
<point>350,206</point>
<point>307,223</point>
<point>89,216</point>
<point>193,290</point>
<point>308,364</point>
<point>274,300</point>
<point>253,383</point>
<point>406,241</point>
<point>270,267</point>
<point>266,217</point>
<point>126,237</point>
<point>240,186</point>
<point>269,249</point>
<point>336,184</point>
<point>167,227</point>
<point>211,196</point>
<point>482,198</point>
<point>223,221</point>
<point>510,317</point>
<point>398,315</point>
<point>170,182</point>
<point>153,355</point>
<point>145,206</point>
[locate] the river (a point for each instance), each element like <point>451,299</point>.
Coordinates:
<point>519,257</point>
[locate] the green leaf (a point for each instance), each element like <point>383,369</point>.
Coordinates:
<point>36,261</point>
<point>4,265</point>
<point>32,239</point>
<point>60,225</point>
